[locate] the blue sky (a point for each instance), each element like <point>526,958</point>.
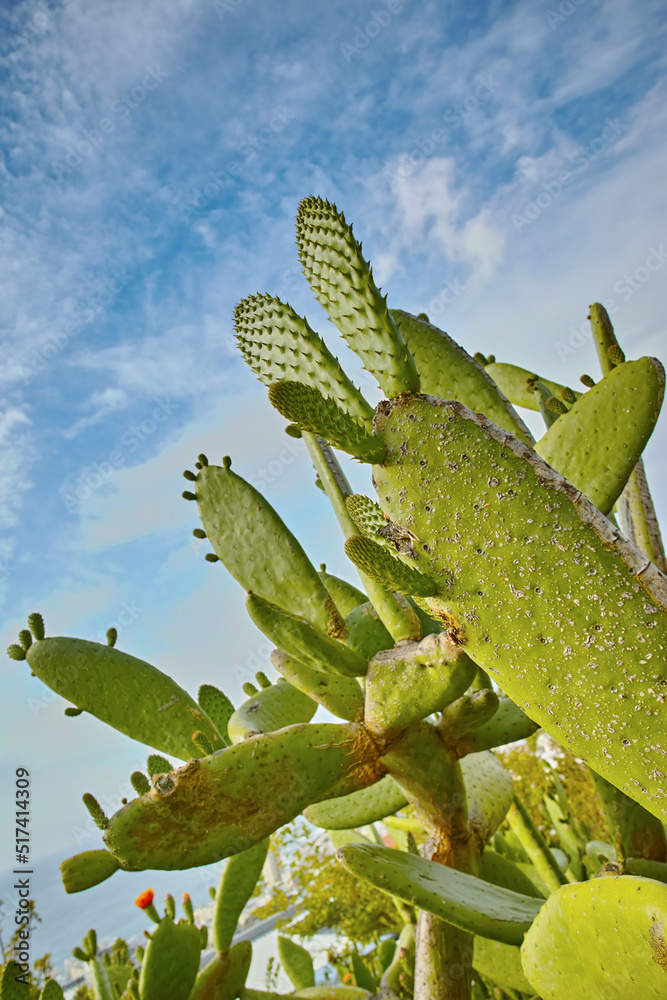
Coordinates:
<point>503,163</point>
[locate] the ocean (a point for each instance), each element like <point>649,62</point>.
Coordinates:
<point>109,908</point>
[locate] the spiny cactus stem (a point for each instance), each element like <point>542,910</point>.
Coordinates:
<point>535,846</point>
<point>36,624</point>
<point>603,335</point>
<point>25,638</point>
<point>401,622</point>
<point>96,811</point>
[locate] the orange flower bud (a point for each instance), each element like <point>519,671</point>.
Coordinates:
<point>145,899</point>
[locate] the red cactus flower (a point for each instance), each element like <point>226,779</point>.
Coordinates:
<point>144,900</point>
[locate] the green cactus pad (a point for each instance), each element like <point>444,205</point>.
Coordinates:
<point>606,935</point>
<point>468,713</point>
<point>341,696</point>
<point>296,962</point>
<point>447,371</point>
<point>10,987</point>
<point>171,961</point>
<point>510,723</point>
<point>459,899</point>
<point>501,963</point>
<point>540,589</point>
<point>342,281</point>
<point>345,595</point>
<point>411,682</point>
<point>218,707</point>
<point>221,805</point>
<point>517,384</point>
<point>308,408</point>
<point>304,641</point>
<point>280,345</point>
<point>224,977</point>
<point>87,869</point>
<point>597,443</point>
<point>50,991</point>
<point>270,709</point>
<point>489,793</point>
<point>124,692</point>
<point>234,890</point>
<point>257,548</point>
<point>100,980</point>
<point>369,519</point>
<point>119,975</point>
<point>501,871</point>
<point>359,808</point>
<point>366,632</point>
<point>374,560</point>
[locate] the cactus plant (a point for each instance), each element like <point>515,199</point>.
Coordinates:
<point>501,598</point>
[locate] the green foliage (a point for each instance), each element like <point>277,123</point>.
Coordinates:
<point>327,896</point>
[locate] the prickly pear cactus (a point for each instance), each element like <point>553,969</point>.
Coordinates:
<point>500,594</point>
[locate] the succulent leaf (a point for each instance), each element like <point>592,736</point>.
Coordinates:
<point>606,935</point>
<point>518,385</point>
<point>340,695</point>
<point>280,345</point>
<point>303,641</point>
<point>506,585</point>
<point>270,709</point>
<point>597,443</point>
<point>360,808</point>
<point>123,691</point>
<point>237,882</point>
<point>374,560</point>
<point>342,281</point>
<point>87,869</point>
<point>242,794</point>
<point>447,371</point>
<point>411,682</point>
<point>296,962</point>
<point>455,897</point>
<point>257,548</point>
<point>171,961</point>
<point>307,407</point>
